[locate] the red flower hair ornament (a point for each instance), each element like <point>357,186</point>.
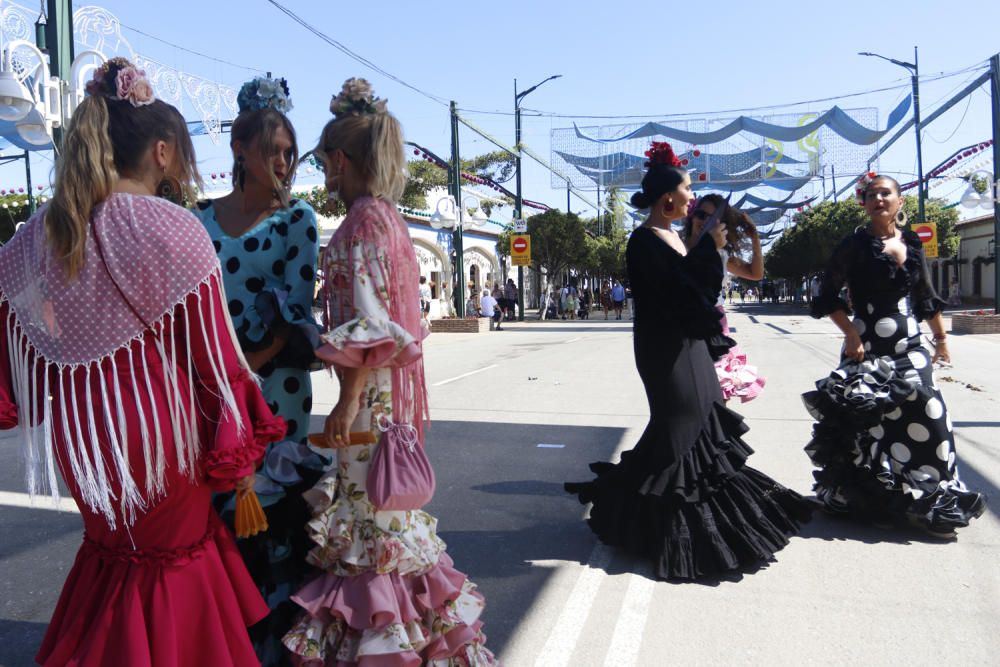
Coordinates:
<point>660,152</point>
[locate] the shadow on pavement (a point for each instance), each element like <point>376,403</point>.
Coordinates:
<point>501,509</point>
<point>19,640</point>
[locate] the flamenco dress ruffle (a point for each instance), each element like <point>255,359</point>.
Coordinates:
<point>708,515</point>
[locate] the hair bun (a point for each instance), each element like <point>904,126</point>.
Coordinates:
<point>356,98</point>
<point>640,201</point>
<point>118,79</point>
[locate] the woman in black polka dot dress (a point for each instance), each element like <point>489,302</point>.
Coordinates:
<point>884,441</point>
<point>267,244</point>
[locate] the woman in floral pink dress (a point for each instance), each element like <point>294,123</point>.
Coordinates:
<point>389,594</point>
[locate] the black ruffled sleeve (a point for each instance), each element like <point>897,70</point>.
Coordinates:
<point>926,302</point>
<point>833,280</point>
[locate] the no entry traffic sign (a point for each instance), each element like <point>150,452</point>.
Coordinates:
<point>520,250</point>
<point>927,232</point>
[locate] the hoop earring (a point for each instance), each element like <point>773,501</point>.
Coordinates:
<point>169,188</point>
<point>901,218</point>
<point>668,207</point>
<point>240,173</point>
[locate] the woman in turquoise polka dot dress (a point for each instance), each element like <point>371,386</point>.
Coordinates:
<point>267,244</point>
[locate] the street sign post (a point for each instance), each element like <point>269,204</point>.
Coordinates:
<point>520,250</point>
<point>520,226</point>
<point>927,231</point>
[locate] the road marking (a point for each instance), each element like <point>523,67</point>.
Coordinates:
<point>463,375</point>
<point>545,445</point>
<point>573,340</point>
<point>12,499</point>
<point>629,630</point>
<point>562,640</point>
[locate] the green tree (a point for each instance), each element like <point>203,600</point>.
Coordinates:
<point>805,247</point>
<point>13,210</point>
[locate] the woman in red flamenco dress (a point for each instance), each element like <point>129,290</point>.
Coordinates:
<point>118,366</point>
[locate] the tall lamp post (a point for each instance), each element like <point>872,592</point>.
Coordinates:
<point>518,202</point>
<point>915,79</point>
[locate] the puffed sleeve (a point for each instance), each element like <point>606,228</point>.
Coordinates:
<point>8,408</point>
<point>833,280</point>
<point>926,302</point>
<point>236,424</point>
<point>370,338</point>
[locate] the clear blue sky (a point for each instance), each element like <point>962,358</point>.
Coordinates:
<point>627,57</point>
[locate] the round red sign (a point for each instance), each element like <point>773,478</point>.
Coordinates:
<point>520,245</point>
<point>925,234</point>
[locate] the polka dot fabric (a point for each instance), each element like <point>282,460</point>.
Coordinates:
<point>279,253</point>
<point>883,441</point>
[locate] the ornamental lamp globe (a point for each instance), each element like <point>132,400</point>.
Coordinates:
<point>15,101</point>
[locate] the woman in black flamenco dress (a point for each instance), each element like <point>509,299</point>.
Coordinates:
<point>883,440</point>
<point>683,496</point>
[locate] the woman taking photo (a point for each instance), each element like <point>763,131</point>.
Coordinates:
<point>736,377</point>
<point>388,593</point>
<point>267,243</point>
<point>683,496</point>
<point>884,442</point>
<point>113,308</point>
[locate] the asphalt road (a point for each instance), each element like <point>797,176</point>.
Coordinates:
<point>518,412</point>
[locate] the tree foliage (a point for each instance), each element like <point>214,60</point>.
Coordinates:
<point>805,247</point>
<point>13,210</point>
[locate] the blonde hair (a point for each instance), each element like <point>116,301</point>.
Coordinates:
<point>374,143</point>
<point>259,127</point>
<point>107,138</point>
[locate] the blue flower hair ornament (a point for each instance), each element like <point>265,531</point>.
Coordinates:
<point>264,93</point>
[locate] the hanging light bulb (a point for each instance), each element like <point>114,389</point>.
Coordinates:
<point>971,198</point>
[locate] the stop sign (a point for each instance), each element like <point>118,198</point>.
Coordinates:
<point>924,232</point>
<point>520,245</point>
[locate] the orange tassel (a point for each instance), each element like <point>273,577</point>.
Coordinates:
<point>250,517</point>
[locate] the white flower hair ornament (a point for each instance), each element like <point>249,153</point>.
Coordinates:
<point>356,98</point>
<point>863,182</point>
<point>264,93</point>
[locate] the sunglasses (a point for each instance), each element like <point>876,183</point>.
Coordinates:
<point>699,214</point>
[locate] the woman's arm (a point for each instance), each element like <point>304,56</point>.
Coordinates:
<point>338,423</point>
<point>754,269</point>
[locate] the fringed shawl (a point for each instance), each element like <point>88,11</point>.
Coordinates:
<point>372,304</point>
<point>132,292</point>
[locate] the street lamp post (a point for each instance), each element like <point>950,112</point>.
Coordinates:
<point>518,202</point>
<point>914,70</point>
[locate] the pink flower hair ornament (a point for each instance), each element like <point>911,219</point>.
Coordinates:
<point>661,152</point>
<point>130,83</point>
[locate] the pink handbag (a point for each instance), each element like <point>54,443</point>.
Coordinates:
<point>400,477</point>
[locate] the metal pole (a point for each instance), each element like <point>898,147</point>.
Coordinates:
<point>995,104</point>
<point>456,237</point>
<point>518,201</point>
<point>916,125</point>
<point>27,178</point>
<point>59,39</point>
<point>567,197</point>
<point>833,178</point>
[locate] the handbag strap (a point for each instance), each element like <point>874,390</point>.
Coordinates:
<point>405,433</point>
<point>107,267</point>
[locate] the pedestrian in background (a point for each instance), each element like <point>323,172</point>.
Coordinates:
<point>490,307</point>
<point>425,298</point>
<point>510,294</point>
<point>618,299</point>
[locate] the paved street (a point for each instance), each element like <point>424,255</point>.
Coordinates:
<point>518,412</point>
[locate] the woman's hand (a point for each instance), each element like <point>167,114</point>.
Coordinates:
<point>751,229</point>
<point>719,236</point>
<point>338,423</point>
<point>941,352</point>
<point>853,348</point>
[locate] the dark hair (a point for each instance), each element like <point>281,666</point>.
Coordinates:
<point>258,126</point>
<point>736,221</point>
<point>423,279</point>
<point>659,180</point>
<point>883,177</point>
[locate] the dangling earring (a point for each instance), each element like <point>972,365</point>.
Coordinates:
<point>901,217</point>
<point>169,188</point>
<point>669,206</point>
<point>240,173</point>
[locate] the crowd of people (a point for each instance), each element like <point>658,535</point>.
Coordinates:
<point>176,409</point>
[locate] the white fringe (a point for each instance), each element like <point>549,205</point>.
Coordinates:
<point>99,464</point>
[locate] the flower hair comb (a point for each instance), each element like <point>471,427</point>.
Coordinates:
<point>356,98</point>
<point>863,182</point>
<point>660,152</point>
<point>130,83</point>
<point>264,92</point>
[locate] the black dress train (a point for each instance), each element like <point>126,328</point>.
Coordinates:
<point>883,440</point>
<point>683,495</point>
